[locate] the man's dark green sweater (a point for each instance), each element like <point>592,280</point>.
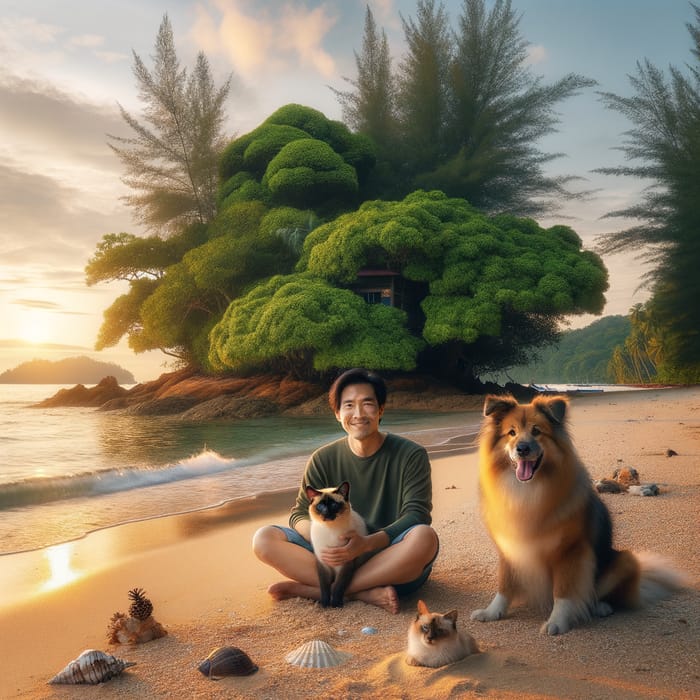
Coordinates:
<point>391,490</point>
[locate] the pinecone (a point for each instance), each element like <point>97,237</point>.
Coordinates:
<point>141,607</point>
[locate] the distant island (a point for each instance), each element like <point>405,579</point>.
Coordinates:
<point>72,370</point>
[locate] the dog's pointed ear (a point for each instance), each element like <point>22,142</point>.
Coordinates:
<point>497,406</point>
<point>554,408</point>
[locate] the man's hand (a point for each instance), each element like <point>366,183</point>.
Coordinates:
<point>355,545</point>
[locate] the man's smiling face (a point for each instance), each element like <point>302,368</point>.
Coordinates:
<point>359,411</point>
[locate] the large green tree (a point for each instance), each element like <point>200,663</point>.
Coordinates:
<point>171,160</point>
<point>369,107</point>
<point>469,111</point>
<point>477,292</point>
<point>277,184</point>
<point>423,94</point>
<point>663,146</point>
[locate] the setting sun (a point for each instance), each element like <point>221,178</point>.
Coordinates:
<point>35,327</point>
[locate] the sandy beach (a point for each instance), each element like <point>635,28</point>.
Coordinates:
<point>209,590</point>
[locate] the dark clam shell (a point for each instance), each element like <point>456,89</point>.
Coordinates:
<point>227,661</point>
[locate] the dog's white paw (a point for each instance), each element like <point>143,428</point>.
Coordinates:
<point>564,615</point>
<point>495,611</point>
<point>554,628</point>
<point>483,615</point>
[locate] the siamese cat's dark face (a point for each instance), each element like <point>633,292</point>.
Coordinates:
<point>436,627</point>
<point>329,503</point>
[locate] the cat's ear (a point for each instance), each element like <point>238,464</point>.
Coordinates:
<point>344,490</point>
<point>311,493</point>
<point>423,608</point>
<point>452,617</point>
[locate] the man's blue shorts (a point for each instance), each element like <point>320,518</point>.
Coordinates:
<point>402,589</point>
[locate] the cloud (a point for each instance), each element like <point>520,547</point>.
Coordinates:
<point>536,54</point>
<point>36,304</point>
<point>15,30</point>
<point>258,40</point>
<point>302,32</point>
<point>11,344</point>
<point>89,41</point>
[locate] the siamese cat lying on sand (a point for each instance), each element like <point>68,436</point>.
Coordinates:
<point>434,640</point>
<point>332,517</point>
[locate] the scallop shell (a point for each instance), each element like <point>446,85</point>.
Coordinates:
<point>316,654</point>
<point>227,661</point>
<point>92,666</point>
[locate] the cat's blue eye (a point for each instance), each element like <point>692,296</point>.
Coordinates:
<point>425,628</point>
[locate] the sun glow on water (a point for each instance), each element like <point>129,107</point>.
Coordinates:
<point>60,571</point>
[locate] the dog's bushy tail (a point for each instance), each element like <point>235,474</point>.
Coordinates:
<point>658,578</point>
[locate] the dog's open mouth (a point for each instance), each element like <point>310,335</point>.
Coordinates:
<point>525,468</point>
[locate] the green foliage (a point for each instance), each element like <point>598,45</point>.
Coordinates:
<point>368,109</point>
<point>171,160</point>
<point>307,173</point>
<point>647,353</point>
<point>581,356</point>
<point>123,317</point>
<point>252,152</point>
<point>664,147</point>
<point>297,157</point>
<point>473,280</point>
<point>424,96</point>
<point>465,113</point>
<point>299,320</point>
<point>123,256</point>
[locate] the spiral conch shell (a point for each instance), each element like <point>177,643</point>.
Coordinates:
<point>227,661</point>
<point>92,666</point>
<point>316,654</point>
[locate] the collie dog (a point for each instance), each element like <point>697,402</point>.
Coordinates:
<point>552,531</point>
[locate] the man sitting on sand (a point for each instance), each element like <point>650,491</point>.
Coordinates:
<point>390,486</point>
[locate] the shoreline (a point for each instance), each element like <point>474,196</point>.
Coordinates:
<point>208,589</point>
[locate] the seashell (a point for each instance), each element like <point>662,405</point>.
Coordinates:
<point>130,630</point>
<point>316,654</point>
<point>227,661</point>
<point>369,630</point>
<point>92,666</point>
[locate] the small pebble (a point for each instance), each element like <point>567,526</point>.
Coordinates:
<point>369,630</point>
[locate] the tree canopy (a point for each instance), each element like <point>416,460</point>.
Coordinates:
<point>468,280</point>
<point>275,183</point>
<point>264,247</point>
<point>171,161</point>
<point>663,146</point>
<point>464,112</point>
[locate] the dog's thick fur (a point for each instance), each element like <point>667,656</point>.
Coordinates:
<point>552,531</point>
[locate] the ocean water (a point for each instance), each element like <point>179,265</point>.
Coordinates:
<point>67,471</point>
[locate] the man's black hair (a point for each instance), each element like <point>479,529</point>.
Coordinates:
<point>358,375</point>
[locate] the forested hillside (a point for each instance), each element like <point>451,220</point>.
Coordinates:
<point>71,370</point>
<point>581,357</point>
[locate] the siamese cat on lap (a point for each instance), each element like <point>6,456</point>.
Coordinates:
<point>332,517</point>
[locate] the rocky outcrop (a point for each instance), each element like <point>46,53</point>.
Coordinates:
<point>193,396</point>
<point>107,389</point>
<point>197,397</point>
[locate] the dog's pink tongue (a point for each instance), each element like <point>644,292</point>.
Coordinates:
<point>525,469</point>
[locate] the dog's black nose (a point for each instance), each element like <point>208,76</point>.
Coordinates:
<point>523,449</point>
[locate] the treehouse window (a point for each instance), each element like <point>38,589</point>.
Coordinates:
<point>377,287</point>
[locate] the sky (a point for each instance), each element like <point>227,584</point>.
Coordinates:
<point>65,67</point>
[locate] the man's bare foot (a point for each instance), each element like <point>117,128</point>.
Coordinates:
<point>384,597</point>
<point>283,590</point>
